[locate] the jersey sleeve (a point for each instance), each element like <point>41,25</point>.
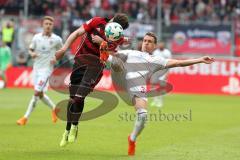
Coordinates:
<point>161,62</point>
<point>33,43</point>
<point>90,24</point>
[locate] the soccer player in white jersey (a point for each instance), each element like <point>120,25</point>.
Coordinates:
<point>125,74</point>
<point>160,76</point>
<point>42,49</point>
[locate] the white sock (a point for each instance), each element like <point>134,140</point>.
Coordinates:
<point>139,124</point>
<point>46,100</point>
<point>31,106</point>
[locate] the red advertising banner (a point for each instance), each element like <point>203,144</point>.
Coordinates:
<point>19,77</point>
<point>201,39</point>
<point>221,77</point>
<point>22,77</point>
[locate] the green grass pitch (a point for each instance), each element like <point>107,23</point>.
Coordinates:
<point>212,134</point>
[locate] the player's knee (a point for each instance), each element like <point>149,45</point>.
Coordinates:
<point>77,104</point>
<point>78,100</point>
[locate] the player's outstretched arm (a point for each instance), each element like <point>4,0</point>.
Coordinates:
<point>182,63</point>
<point>73,36</point>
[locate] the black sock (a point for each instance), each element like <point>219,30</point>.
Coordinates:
<point>69,121</point>
<point>68,127</point>
<point>74,111</point>
<point>77,109</point>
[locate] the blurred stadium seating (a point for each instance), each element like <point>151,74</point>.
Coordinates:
<point>70,14</point>
<point>172,10</point>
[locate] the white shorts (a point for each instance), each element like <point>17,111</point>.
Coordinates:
<point>132,86</point>
<point>138,91</point>
<point>128,88</point>
<point>40,80</point>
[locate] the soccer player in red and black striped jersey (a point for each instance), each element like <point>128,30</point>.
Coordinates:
<point>87,69</point>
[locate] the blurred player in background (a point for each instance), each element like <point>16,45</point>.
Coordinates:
<point>8,33</point>
<point>5,61</point>
<point>42,48</point>
<point>160,76</point>
<point>138,94</point>
<point>84,77</point>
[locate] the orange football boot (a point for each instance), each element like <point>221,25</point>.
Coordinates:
<point>22,121</point>
<point>131,147</point>
<point>54,116</point>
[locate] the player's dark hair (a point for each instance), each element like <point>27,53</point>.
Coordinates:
<point>151,34</point>
<point>122,19</point>
<point>48,18</point>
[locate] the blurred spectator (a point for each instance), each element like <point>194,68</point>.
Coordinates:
<point>12,7</point>
<point>70,14</point>
<point>183,11</point>
<point>8,33</point>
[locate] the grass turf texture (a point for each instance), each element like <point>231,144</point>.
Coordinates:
<point>213,133</point>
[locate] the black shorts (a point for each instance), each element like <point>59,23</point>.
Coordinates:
<point>84,77</point>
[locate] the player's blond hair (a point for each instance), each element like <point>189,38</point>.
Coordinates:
<point>48,18</point>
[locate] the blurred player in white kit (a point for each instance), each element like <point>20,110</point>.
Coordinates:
<point>160,76</point>
<point>42,49</point>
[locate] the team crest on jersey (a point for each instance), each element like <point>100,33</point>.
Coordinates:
<point>50,42</point>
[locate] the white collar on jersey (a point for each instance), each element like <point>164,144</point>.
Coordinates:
<point>46,35</point>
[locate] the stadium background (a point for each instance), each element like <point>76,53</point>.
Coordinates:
<point>190,28</point>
